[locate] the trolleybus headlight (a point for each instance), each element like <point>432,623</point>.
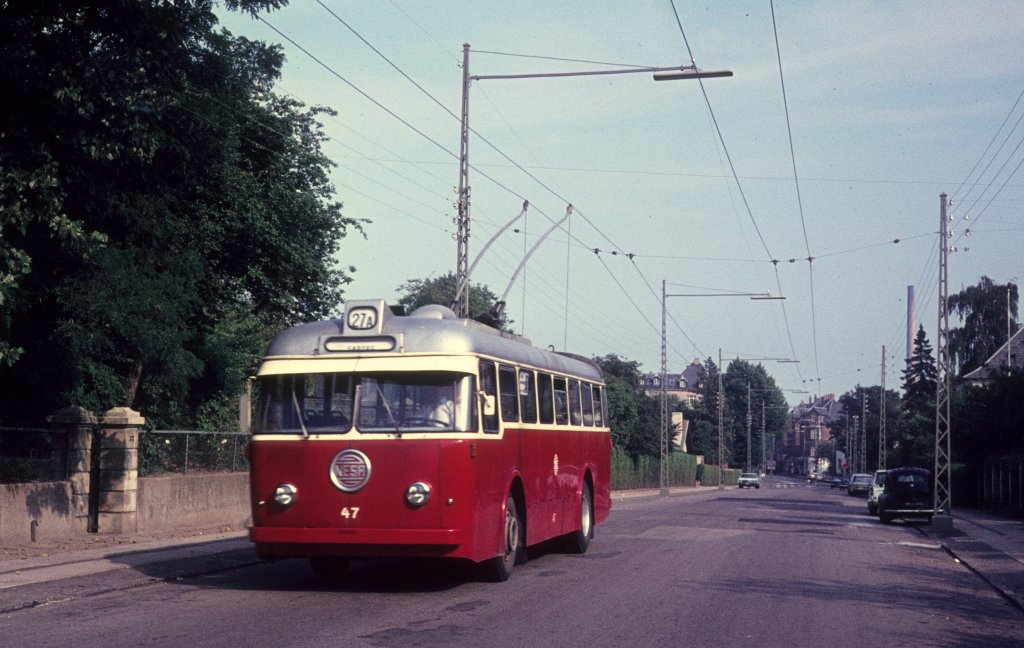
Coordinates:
<point>285,494</point>
<point>417,494</point>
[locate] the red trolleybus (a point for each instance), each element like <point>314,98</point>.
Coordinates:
<point>425,435</point>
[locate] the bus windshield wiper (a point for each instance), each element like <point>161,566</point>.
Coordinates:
<point>387,407</point>
<point>298,412</point>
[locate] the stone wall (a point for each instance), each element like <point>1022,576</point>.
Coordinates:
<point>44,512</point>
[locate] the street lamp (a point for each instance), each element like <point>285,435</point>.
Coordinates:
<point>662,463</point>
<point>461,302</point>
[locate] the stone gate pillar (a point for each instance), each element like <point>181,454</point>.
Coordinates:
<point>78,423</point>
<point>119,470</point>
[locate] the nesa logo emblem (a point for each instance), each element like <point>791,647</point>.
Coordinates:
<point>350,470</point>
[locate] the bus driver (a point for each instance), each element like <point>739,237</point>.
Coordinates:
<point>440,410</point>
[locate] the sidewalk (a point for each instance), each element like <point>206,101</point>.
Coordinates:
<point>990,546</point>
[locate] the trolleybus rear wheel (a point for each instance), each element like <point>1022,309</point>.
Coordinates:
<point>579,540</point>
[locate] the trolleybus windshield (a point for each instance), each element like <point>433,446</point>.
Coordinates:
<point>330,403</point>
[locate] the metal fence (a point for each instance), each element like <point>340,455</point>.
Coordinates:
<point>184,451</point>
<point>41,454</point>
<point>32,454</point>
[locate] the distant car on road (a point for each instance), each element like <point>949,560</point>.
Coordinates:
<point>908,493</point>
<point>749,479</point>
<point>860,484</point>
<point>841,482</point>
<point>877,486</point>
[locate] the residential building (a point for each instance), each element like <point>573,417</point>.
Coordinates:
<point>999,360</point>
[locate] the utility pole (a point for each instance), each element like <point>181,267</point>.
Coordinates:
<point>882,445</point>
<point>663,465</point>
<point>943,495</point>
<point>855,434</point>
<point>764,458</point>
<point>748,427</point>
<point>864,431</point>
<point>721,414</point>
<point>461,306</point>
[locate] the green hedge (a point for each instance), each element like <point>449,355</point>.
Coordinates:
<point>644,471</point>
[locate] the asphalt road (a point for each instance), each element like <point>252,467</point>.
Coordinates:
<point>786,565</point>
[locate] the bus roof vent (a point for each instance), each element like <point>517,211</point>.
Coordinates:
<point>434,311</point>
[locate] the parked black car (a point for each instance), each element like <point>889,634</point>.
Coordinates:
<point>908,493</point>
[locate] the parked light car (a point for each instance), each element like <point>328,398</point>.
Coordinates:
<point>749,479</point>
<point>860,484</point>
<point>908,493</point>
<point>877,486</point>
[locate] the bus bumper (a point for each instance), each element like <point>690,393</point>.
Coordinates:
<point>280,542</point>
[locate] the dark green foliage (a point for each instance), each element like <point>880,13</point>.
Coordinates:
<point>441,290</point>
<point>164,212</point>
<point>626,370</point>
<point>983,309</point>
<point>852,403</point>
<point>634,417</point>
<point>644,471</point>
<point>920,376</point>
<point>702,440</point>
<point>747,387</point>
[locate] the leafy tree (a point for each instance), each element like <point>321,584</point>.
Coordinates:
<point>634,417</point>
<point>852,402</point>
<point>441,290</point>
<point>627,370</point>
<point>983,310</point>
<point>702,440</point>
<point>746,386</point>
<point>162,209</point>
<point>987,422</point>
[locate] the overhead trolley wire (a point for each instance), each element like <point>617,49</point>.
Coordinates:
<point>799,198</point>
<point>739,185</point>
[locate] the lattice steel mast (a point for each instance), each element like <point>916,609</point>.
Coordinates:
<point>943,494</point>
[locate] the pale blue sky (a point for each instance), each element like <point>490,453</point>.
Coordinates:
<point>891,104</point>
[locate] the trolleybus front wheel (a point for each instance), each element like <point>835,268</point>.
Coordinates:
<point>499,568</point>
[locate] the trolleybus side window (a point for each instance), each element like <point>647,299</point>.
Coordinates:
<point>509,387</point>
<point>588,403</point>
<point>574,403</point>
<point>527,396</point>
<point>546,398</point>
<point>561,402</point>
<point>599,414</point>
<point>489,386</point>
